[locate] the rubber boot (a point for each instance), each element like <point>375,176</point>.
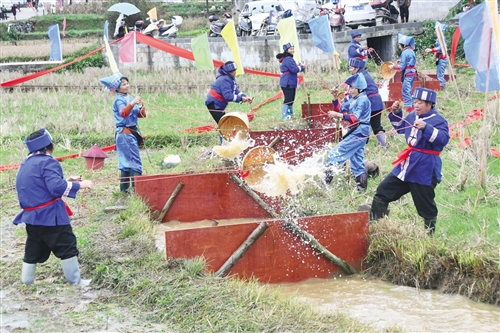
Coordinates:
<point>328,176</point>
<point>362,182</point>
<point>28,273</point>
<point>133,174</point>
<point>284,112</point>
<point>124,181</point>
<point>430,225</point>
<point>290,111</point>
<point>379,209</point>
<point>381,140</point>
<point>71,270</point>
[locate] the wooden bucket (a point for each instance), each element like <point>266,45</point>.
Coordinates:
<point>232,123</point>
<point>386,72</point>
<point>254,162</point>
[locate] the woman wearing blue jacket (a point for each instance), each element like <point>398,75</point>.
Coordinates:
<point>289,79</point>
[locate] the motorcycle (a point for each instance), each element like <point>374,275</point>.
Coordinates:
<point>302,17</point>
<point>157,28</point>
<point>216,25</point>
<point>138,26</point>
<point>244,25</point>
<point>268,26</point>
<point>337,20</point>
<point>385,12</point>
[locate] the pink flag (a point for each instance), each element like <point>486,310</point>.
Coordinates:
<point>64,27</point>
<point>127,48</point>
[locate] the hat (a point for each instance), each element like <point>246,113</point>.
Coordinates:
<point>229,66</point>
<point>425,94</point>
<point>39,142</point>
<point>406,40</point>
<point>113,82</point>
<point>357,80</point>
<point>287,46</point>
<point>443,26</point>
<point>356,62</point>
<point>355,33</point>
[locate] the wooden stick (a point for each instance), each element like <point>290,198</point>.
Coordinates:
<point>309,239</point>
<point>170,201</point>
<point>254,196</point>
<point>233,259</point>
<point>275,141</point>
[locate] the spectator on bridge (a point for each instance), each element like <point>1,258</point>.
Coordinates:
<point>355,49</point>
<point>408,68</point>
<point>404,9</point>
<point>13,9</point>
<point>289,79</point>
<point>439,56</point>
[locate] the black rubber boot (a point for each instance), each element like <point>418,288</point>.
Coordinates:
<point>379,209</point>
<point>328,176</point>
<point>132,178</point>
<point>362,182</point>
<point>124,181</point>
<point>430,225</point>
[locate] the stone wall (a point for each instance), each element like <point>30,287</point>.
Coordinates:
<point>260,52</point>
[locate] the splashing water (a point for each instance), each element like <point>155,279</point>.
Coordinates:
<point>384,90</point>
<point>235,147</point>
<point>280,178</point>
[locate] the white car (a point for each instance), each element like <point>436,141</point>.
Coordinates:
<point>358,12</point>
<point>258,11</point>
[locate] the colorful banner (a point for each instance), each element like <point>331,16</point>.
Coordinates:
<point>481,32</point>
<point>109,54</point>
<point>127,50</point>
<point>55,43</point>
<point>229,35</point>
<point>201,53</point>
<point>288,33</point>
<point>322,34</point>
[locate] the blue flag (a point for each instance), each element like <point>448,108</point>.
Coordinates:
<point>322,34</point>
<point>55,43</point>
<point>479,28</point>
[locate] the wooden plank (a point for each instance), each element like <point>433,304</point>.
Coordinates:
<point>276,256</point>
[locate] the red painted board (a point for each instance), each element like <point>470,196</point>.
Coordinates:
<point>319,114</point>
<point>395,93</point>
<point>277,256</point>
<point>295,146</point>
<point>203,196</point>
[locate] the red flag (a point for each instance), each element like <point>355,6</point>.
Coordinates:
<point>454,44</point>
<point>127,48</point>
<point>64,27</point>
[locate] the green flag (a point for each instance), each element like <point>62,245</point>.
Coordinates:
<point>201,53</point>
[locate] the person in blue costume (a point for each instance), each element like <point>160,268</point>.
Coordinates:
<point>355,114</point>
<point>418,167</point>
<point>126,111</point>
<point>408,68</point>
<point>289,79</point>
<point>377,105</point>
<point>439,56</point>
<point>40,186</point>
<point>356,50</point>
<point>224,90</point>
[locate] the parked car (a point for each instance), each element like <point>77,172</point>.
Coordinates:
<point>358,12</point>
<point>258,11</point>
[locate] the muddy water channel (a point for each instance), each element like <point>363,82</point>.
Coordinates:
<point>385,305</point>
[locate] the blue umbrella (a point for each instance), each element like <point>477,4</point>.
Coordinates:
<point>125,8</point>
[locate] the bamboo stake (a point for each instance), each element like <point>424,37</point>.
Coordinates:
<point>233,259</point>
<point>309,239</point>
<point>170,201</point>
<point>254,196</point>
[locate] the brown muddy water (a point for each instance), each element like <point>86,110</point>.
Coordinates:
<point>378,303</point>
<point>385,305</point>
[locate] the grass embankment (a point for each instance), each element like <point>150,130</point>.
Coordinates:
<point>118,250</point>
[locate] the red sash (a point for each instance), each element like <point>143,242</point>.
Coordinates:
<point>48,203</point>
<point>216,95</point>
<point>403,154</point>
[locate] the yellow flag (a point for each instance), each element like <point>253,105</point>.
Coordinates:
<point>229,35</point>
<point>109,54</point>
<point>288,33</point>
<point>152,13</point>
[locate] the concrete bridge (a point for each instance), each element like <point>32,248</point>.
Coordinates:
<point>259,52</point>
